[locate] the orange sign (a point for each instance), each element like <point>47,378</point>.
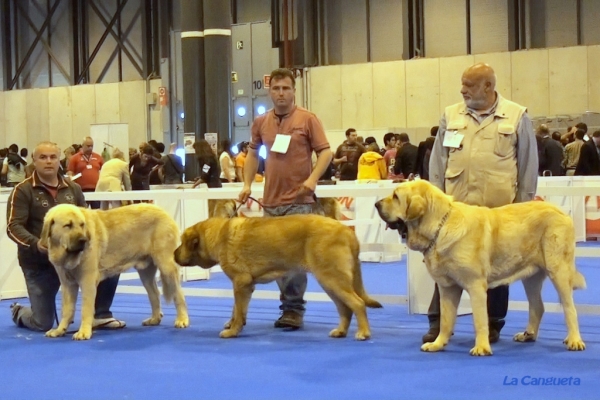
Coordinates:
<point>162,96</point>
<point>267,81</point>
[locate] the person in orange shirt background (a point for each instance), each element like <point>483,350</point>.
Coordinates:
<point>240,160</point>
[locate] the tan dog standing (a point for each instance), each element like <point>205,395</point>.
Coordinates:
<point>86,246</point>
<point>476,248</point>
<point>259,250</point>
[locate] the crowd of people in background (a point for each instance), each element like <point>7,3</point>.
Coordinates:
<point>364,160</point>
<point>571,153</point>
<point>149,164</point>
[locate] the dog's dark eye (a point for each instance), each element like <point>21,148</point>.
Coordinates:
<point>395,196</point>
<point>69,225</point>
<point>82,225</point>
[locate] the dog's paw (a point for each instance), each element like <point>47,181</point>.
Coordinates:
<point>337,333</point>
<point>82,335</point>
<point>227,324</point>
<point>182,322</point>
<point>362,335</point>
<point>152,321</point>
<point>481,351</point>
<point>574,344</point>
<point>524,337</point>
<point>54,333</point>
<point>432,347</point>
<point>228,333</point>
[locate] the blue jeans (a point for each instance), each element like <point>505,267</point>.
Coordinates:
<point>43,284</point>
<point>293,285</point>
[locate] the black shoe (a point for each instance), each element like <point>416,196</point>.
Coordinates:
<point>431,334</point>
<point>494,335</point>
<point>290,320</point>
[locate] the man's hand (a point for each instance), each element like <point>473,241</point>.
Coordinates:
<point>42,249</point>
<point>344,159</point>
<point>244,194</point>
<point>307,189</point>
<point>197,182</point>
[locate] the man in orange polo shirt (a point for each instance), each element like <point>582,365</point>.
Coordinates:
<point>88,164</point>
<point>290,134</point>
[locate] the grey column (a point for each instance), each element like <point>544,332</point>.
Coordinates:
<point>217,67</point>
<point>192,63</point>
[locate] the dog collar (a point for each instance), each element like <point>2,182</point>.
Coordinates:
<point>437,233</point>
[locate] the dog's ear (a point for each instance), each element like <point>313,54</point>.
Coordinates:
<point>415,207</point>
<point>192,241</point>
<point>46,232</point>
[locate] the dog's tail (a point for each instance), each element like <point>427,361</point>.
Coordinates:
<point>359,287</point>
<point>169,278</point>
<point>578,281</point>
<point>169,286</point>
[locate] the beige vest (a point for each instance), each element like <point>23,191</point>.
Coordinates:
<point>483,171</point>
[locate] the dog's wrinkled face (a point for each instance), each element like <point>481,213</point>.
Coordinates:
<point>192,251</point>
<point>65,234</point>
<point>404,205</point>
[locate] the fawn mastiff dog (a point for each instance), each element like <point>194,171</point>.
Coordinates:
<point>86,246</point>
<point>260,250</point>
<point>476,248</point>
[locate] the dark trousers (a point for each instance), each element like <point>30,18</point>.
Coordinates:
<point>94,205</point>
<point>293,285</point>
<point>497,305</point>
<point>43,284</point>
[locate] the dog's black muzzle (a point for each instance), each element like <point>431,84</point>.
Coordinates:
<point>77,246</point>
<point>397,225</point>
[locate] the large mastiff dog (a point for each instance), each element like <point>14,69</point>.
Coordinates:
<point>260,250</point>
<point>476,248</point>
<point>86,246</point>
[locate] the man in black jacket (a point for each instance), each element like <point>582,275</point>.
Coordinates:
<point>550,153</point>
<point>28,204</point>
<point>589,159</point>
<point>406,158</point>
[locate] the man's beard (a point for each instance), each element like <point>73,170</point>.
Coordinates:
<point>476,104</point>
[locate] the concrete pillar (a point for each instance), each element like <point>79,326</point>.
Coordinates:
<point>192,64</point>
<point>217,67</point>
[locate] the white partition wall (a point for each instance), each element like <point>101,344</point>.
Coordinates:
<point>12,282</point>
<point>64,114</point>
<point>412,94</point>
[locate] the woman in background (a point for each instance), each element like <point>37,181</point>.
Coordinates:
<point>114,177</point>
<point>226,162</point>
<point>209,165</point>
<point>141,165</point>
<point>371,165</point>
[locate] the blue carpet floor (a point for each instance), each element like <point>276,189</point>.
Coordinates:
<point>162,362</point>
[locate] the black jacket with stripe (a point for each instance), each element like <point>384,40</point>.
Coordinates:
<point>28,204</point>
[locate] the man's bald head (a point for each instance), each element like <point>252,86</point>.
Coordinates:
<point>87,146</point>
<point>45,147</point>
<point>479,86</point>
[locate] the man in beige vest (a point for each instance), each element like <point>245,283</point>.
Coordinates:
<point>485,154</point>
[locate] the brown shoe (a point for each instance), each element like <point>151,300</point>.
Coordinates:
<point>431,334</point>
<point>290,320</point>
